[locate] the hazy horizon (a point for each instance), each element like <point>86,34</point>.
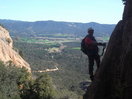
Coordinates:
<point>55,21</point>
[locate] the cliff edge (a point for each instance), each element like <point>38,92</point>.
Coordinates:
<point>7,54</point>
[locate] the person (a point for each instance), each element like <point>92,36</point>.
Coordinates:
<point>92,51</point>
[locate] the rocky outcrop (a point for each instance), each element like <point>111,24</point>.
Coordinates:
<point>113,80</point>
<point>7,54</point>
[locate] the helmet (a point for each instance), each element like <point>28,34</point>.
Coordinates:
<point>90,29</point>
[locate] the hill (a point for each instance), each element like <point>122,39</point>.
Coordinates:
<point>42,28</point>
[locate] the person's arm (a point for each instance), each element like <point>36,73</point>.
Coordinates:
<point>101,44</point>
<point>88,41</point>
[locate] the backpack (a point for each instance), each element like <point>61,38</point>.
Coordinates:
<point>88,49</point>
<point>83,46</point>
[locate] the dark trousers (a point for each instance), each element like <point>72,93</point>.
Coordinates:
<point>91,58</point>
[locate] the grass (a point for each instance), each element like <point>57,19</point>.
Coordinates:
<point>47,41</point>
<point>106,38</point>
<point>56,35</point>
<point>76,48</point>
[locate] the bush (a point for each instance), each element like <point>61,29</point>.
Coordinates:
<point>43,87</point>
<point>10,79</point>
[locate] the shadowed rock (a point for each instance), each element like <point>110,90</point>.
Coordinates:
<point>113,80</point>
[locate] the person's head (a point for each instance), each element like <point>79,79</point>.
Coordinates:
<point>90,31</point>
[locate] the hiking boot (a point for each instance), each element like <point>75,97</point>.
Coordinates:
<point>92,77</point>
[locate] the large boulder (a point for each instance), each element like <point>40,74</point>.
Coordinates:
<point>7,54</point>
<point>113,80</point>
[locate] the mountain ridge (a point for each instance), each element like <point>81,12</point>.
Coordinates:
<point>40,28</point>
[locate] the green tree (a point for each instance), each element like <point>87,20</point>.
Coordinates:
<point>10,79</point>
<point>43,87</point>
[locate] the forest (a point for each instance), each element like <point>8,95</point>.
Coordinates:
<point>72,65</point>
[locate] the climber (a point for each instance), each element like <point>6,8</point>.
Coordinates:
<point>89,46</point>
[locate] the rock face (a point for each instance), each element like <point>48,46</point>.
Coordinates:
<point>113,80</point>
<point>7,54</point>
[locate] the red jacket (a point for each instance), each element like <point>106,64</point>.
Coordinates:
<point>91,42</point>
<point>88,41</point>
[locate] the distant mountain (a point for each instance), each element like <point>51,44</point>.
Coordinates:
<point>41,28</point>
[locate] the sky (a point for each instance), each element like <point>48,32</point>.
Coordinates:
<point>100,11</point>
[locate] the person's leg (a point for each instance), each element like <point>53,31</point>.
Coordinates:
<point>91,64</point>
